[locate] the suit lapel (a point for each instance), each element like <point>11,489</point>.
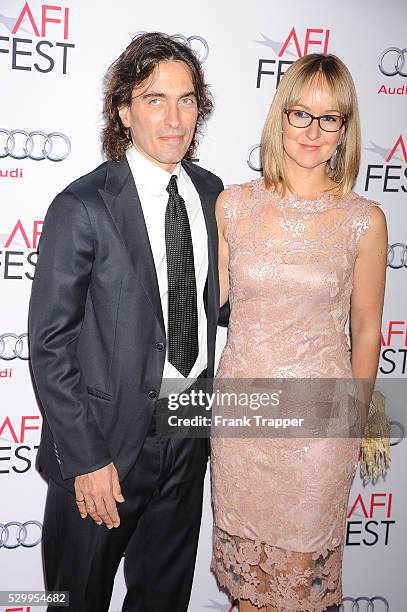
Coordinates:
<point>208,197</point>
<point>123,202</point>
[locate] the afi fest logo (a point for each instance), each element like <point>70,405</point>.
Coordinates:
<point>19,440</point>
<point>369,520</point>
<point>390,175</point>
<point>18,250</point>
<point>393,65</point>
<point>295,45</point>
<point>394,348</point>
<point>37,38</point>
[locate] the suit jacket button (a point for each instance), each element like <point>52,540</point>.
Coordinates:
<point>152,394</point>
<point>160,346</point>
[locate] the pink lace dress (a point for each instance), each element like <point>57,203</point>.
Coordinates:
<point>280,503</point>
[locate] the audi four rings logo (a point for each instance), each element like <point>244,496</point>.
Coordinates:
<point>364,604</point>
<point>397,255</point>
<point>15,534</point>
<point>195,42</point>
<point>253,159</point>
<point>36,145</point>
<point>13,346</point>
<point>393,61</point>
<point>396,432</point>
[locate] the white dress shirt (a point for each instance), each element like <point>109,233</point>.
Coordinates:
<point>151,182</point>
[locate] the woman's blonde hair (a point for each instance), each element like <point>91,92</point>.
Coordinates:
<point>315,68</point>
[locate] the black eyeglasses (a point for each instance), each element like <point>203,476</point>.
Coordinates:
<point>301,119</point>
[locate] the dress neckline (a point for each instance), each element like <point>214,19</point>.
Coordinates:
<point>293,202</point>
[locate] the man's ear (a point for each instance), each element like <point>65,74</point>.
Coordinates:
<point>123,111</point>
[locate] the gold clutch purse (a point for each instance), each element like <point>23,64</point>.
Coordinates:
<point>375,446</point>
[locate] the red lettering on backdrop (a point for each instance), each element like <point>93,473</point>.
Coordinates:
<point>36,233</point>
<point>387,501</point>
<point>26,11</point>
<point>7,423</point>
<point>45,18</point>
<point>399,142</point>
<point>362,505</point>
<point>20,228</point>
<point>308,41</point>
<point>375,504</point>
<point>66,19</point>
<point>292,35</point>
<point>25,427</point>
<point>394,332</point>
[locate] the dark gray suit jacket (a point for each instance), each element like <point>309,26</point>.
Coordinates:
<point>97,336</point>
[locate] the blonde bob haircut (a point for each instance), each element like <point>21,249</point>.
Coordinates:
<point>313,69</point>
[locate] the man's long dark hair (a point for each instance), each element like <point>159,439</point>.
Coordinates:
<point>132,67</point>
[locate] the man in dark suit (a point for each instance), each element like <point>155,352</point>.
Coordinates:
<point>125,295</point>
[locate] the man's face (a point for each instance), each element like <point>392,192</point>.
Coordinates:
<point>162,114</point>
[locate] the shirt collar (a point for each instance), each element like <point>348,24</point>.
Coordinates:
<point>147,174</point>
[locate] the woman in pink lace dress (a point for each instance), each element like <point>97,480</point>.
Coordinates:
<point>298,251</point>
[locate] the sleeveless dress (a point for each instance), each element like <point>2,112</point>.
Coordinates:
<point>280,503</point>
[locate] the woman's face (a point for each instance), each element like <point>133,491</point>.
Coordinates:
<point>311,147</point>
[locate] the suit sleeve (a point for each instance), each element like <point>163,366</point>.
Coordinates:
<point>224,314</point>
<point>57,307</point>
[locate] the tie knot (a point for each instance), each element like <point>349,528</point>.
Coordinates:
<point>175,200</point>
<point>172,187</point>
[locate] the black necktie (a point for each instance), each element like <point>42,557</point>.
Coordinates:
<point>182,305</point>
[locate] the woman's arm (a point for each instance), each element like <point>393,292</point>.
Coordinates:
<point>367,297</point>
<point>223,249</point>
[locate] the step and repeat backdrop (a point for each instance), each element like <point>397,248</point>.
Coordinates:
<point>52,61</point>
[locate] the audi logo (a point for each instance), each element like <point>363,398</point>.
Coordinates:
<point>36,145</point>
<point>15,534</point>
<point>13,346</point>
<point>195,42</point>
<point>392,61</point>
<point>396,432</point>
<point>397,255</point>
<point>364,604</point>
<point>253,159</point>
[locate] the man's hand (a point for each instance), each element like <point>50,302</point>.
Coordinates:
<point>97,493</point>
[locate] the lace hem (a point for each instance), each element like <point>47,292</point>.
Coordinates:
<point>270,576</point>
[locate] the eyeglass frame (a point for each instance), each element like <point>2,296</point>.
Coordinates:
<point>287,111</point>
